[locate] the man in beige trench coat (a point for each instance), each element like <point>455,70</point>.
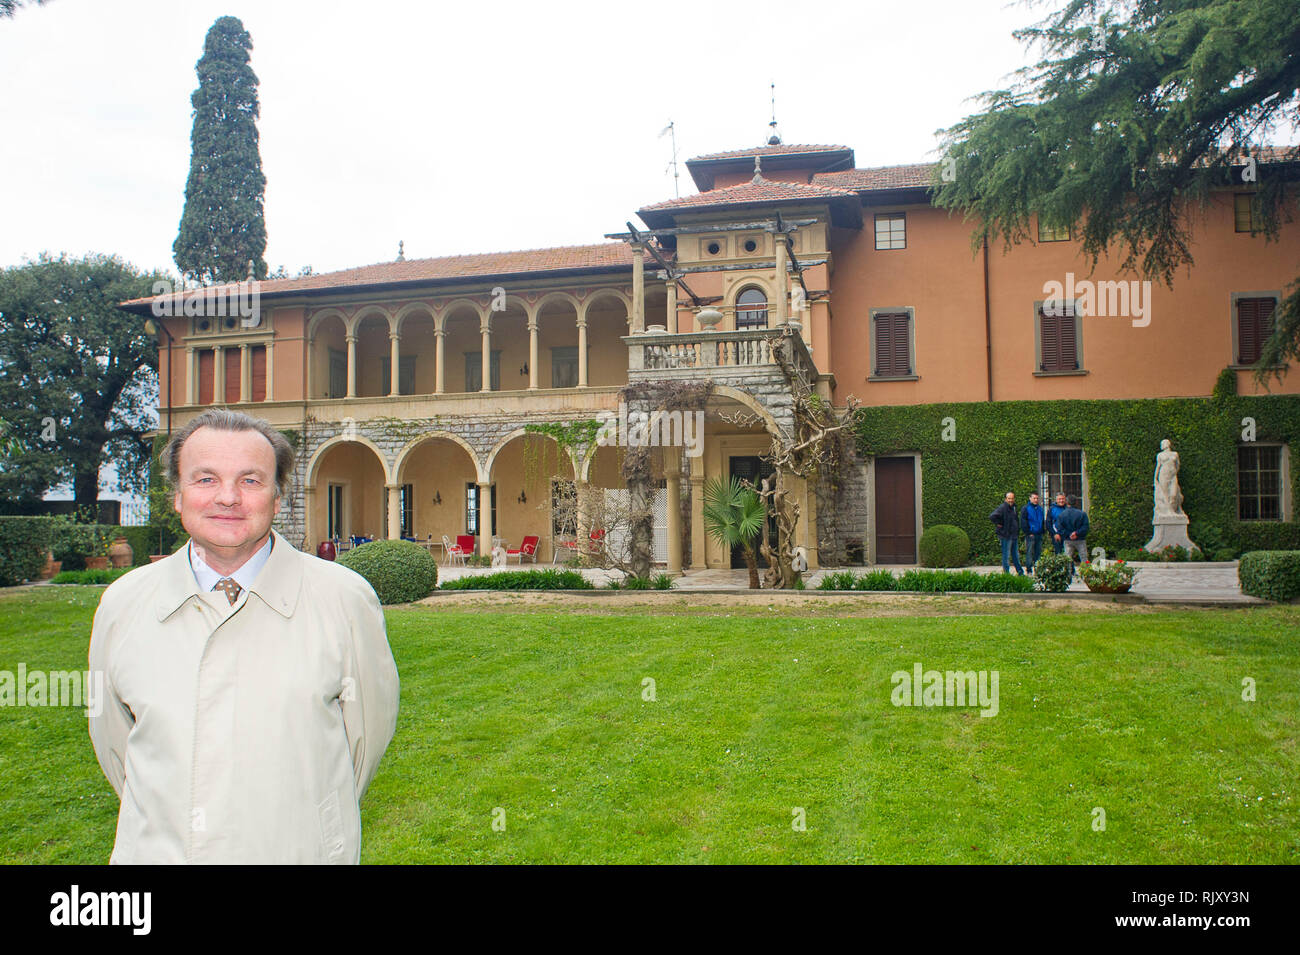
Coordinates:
<point>249,689</point>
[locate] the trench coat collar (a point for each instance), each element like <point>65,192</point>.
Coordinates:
<point>278,585</point>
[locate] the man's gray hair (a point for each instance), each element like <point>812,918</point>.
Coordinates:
<point>222,419</point>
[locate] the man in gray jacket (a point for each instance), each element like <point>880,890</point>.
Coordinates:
<point>250,691</point>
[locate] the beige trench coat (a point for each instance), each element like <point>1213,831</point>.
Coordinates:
<point>245,735</point>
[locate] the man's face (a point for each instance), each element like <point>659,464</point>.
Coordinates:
<point>1033,499</point>
<point>1011,497</point>
<point>1060,500</point>
<point>227,496</point>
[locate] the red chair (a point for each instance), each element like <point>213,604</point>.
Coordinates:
<point>466,544</point>
<point>527,549</point>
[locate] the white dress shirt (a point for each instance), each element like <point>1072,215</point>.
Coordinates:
<point>247,573</point>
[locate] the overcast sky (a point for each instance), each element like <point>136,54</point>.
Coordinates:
<point>474,127</point>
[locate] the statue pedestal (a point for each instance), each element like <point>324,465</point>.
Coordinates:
<point>1169,530</point>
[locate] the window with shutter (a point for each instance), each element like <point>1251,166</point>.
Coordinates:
<point>207,366</point>
<point>234,370</point>
<point>1254,325</point>
<point>257,354</point>
<point>893,345</point>
<point>1058,342</point>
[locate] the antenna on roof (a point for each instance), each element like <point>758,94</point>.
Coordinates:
<point>671,129</point>
<point>774,137</point>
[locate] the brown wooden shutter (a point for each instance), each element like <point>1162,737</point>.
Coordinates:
<point>258,359</point>
<point>1254,326</point>
<point>893,352</point>
<point>233,358</point>
<point>207,367</point>
<point>1057,341</point>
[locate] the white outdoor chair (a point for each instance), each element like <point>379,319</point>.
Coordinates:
<point>455,553</point>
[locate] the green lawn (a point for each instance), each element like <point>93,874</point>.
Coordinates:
<point>541,714</point>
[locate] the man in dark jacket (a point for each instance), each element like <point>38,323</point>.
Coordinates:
<point>1072,526</point>
<point>1007,523</point>
<point>1032,522</point>
<point>1053,512</point>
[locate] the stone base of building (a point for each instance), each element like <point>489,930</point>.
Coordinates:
<point>1169,531</point>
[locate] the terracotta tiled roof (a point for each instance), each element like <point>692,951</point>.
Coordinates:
<point>765,190</point>
<point>781,150</point>
<point>528,261</point>
<point>882,177</point>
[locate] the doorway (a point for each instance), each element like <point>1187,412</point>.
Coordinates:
<point>754,469</point>
<point>895,510</point>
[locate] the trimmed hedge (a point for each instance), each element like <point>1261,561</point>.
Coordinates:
<point>929,582</point>
<point>24,545</point>
<point>944,546</point>
<point>996,450</point>
<point>399,571</point>
<point>549,579</point>
<point>91,576</point>
<point>1272,575</point>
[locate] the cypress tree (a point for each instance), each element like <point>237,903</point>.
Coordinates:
<point>223,227</point>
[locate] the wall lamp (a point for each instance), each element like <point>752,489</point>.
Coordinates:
<point>523,498</point>
<point>437,498</point>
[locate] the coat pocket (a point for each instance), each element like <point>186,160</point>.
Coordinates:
<point>331,827</point>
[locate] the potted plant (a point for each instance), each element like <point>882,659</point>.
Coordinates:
<point>1112,577</point>
<point>98,540</point>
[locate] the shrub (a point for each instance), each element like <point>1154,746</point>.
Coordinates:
<point>1052,573</point>
<point>478,560</point>
<point>72,543</point>
<point>549,579</point>
<point>1225,554</point>
<point>1270,574</point>
<point>1225,386</point>
<point>1131,554</point>
<point>1114,574</point>
<point>932,581</point>
<point>1006,584</point>
<point>944,545</point>
<point>90,576</point>
<point>1174,553</point>
<point>840,580</point>
<point>879,579</point>
<point>400,571</point>
<point>636,583</point>
<point>665,582</point>
<point>24,545</point>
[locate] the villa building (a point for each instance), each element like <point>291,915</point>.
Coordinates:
<point>408,385</point>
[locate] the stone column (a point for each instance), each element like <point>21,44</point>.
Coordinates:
<point>486,330</point>
<point>309,377</point>
<point>352,366</point>
<point>394,510</point>
<point>674,495</point>
<point>532,353</point>
<point>394,378</point>
<point>309,530</point>
<point>638,289</point>
<point>440,367</point>
<point>219,375</point>
<point>697,513</point>
<point>245,374</point>
<point>582,352</point>
<point>191,376</point>
<point>270,370</point>
<point>485,528</point>
<point>671,315</point>
<point>582,493</point>
<point>782,279</point>
<point>810,523</point>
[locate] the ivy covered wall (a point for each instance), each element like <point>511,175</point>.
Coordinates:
<point>994,449</point>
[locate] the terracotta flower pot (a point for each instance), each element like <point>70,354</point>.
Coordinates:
<point>1107,589</point>
<point>120,553</point>
<point>96,563</point>
<point>154,558</point>
<point>51,567</point>
<point>325,550</point>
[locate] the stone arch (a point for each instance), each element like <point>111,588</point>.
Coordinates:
<point>410,308</point>
<point>366,311</point>
<point>519,432</point>
<point>753,404</point>
<point>454,306</point>
<point>313,464</point>
<point>565,296</point>
<point>319,316</point>
<point>405,452</point>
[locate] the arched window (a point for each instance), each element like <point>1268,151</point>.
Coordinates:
<point>751,309</point>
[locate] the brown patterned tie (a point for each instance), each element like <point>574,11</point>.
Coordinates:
<point>230,587</point>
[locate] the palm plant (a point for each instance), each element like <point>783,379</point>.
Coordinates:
<point>734,515</point>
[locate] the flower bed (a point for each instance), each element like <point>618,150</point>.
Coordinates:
<point>1112,577</point>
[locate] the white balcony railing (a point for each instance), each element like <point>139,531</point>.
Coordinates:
<point>718,354</point>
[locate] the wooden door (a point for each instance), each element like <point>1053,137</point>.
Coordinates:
<point>896,510</point>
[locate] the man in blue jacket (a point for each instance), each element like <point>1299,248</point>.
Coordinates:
<point>1072,526</point>
<point>1053,512</point>
<point>1007,523</point>
<point>1032,521</point>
